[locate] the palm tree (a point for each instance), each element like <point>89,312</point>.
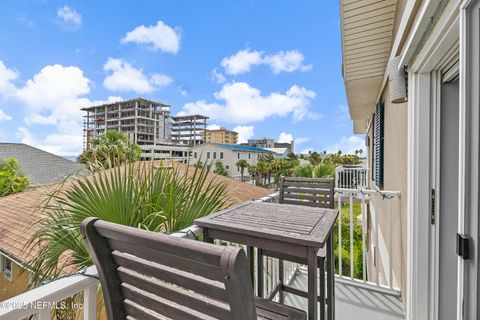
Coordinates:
<point>242,164</point>
<point>110,149</point>
<point>262,170</point>
<point>139,195</point>
<point>252,172</point>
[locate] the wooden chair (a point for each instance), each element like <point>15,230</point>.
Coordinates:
<point>147,275</point>
<point>313,192</point>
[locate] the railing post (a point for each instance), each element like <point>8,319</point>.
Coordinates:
<point>377,273</point>
<point>340,234</point>
<point>351,236</point>
<point>364,228</point>
<point>390,253</point>
<point>90,303</point>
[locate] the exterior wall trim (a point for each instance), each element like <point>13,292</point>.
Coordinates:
<point>432,52</point>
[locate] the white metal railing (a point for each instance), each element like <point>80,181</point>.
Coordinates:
<point>360,210</point>
<point>351,177</point>
<point>41,301</point>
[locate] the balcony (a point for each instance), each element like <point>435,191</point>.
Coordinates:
<point>365,288</point>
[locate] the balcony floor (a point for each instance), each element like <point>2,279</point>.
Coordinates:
<point>353,301</point>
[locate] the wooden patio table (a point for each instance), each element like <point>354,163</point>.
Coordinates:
<point>288,230</point>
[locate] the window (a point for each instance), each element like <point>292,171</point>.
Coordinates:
<point>208,155</point>
<point>195,155</point>
<point>6,267</point>
<point>227,167</point>
<point>249,155</point>
<point>214,155</point>
<point>221,155</point>
<point>378,137</point>
<point>238,155</point>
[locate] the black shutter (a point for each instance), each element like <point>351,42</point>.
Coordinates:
<point>372,149</point>
<point>379,117</point>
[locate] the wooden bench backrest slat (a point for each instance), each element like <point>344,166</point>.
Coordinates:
<point>313,192</point>
<point>162,243</point>
<point>177,277</point>
<point>191,300</point>
<point>146,275</point>
<point>170,260</point>
<point>160,305</point>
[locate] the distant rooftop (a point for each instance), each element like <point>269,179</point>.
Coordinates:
<point>154,103</point>
<point>238,147</point>
<point>39,166</point>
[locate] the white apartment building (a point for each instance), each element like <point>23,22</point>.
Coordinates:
<point>228,154</point>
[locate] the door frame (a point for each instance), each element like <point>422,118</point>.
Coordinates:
<point>450,60</point>
<point>423,68</point>
<point>469,181</point>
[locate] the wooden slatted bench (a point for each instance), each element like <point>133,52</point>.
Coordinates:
<point>147,275</point>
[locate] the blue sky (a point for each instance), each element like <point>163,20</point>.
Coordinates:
<point>265,68</point>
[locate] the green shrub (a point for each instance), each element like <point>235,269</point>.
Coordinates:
<point>11,179</point>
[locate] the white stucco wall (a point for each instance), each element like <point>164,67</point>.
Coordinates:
<point>209,153</point>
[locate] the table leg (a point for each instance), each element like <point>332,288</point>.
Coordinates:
<point>259,273</point>
<point>312,284</point>
<point>280,280</point>
<point>330,279</point>
<point>321,274</point>
<point>206,238</point>
<point>251,265</point>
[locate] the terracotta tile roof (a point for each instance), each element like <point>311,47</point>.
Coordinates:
<point>20,211</point>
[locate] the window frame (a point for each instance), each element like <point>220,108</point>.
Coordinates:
<point>8,274</point>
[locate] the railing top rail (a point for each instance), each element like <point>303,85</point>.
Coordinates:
<point>28,303</point>
<point>369,192</point>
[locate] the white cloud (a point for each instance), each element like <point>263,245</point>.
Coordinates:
<point>55,95</point>
<point>6,77</point>
<point>213,127</point>
<point>242,61</point>
<point>288,137</point>
<point>288,61</point>
<point>282,61</point>
<point>240,103</point>
<point>244,133</point>
<point>69,18</point>
<point>59,144</point>
<point>285,137</point>
<point>4,116</point>
<point>124,77</point>
<point>158,37</point>
<point>218,77</point>
<point>347,145</point>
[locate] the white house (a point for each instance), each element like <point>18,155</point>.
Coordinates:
<point>228,154</point>
<point>279,153</point>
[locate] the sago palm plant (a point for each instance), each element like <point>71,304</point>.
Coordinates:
<point>160,199</point>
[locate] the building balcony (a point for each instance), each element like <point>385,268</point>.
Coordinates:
<point>365,288</point>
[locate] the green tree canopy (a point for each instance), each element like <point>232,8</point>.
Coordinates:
<point>242,164</point>
<point>220,168</point>
<point>109,150</point>
<point>11,179</point>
